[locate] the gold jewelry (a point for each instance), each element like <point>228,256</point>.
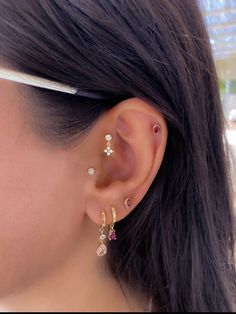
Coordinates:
<point>102,249</point>
<point>112,232</point>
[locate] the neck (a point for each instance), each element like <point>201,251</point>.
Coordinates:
<point>81,283</point>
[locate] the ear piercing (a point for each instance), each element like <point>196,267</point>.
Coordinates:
<point>127,202</point>
<point>91,171</point>
<point>156,128</point>
<point>108,150</point>
<point>112,232</point>
<point>102,249</point>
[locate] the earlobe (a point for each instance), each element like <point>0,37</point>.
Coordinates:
<point>132,147</point>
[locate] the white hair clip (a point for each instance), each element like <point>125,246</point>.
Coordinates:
<point>33,80</point>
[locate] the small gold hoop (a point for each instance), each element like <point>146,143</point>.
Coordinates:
<point>112,232</point>
<point>103,219</point>
<point>113,211</point>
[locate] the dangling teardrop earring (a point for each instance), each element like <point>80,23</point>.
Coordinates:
<point>102,249</point>
<point>112,232</point>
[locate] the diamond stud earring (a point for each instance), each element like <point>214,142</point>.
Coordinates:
<point>91,171</point>
<point>108,150</point>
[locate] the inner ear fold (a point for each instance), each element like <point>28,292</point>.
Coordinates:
<point>138,153</point>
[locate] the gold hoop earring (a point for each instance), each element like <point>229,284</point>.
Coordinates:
<point>112,232</point>
<point>102,249</point>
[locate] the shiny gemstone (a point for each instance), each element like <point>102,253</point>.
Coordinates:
<point>101,250</point>
<point>91,171</point>
<point>108,151</point>
<point>102,237</point>
<point>108,137</point>
<point>156,128</point>
<point>112,235</point>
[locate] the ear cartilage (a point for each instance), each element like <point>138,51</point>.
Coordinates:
<point>108,150</point>
<point>156,128</point>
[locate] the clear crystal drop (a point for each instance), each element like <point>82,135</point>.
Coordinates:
<point>108,137</point>
<point>102,237</point>
<point>101,250</point>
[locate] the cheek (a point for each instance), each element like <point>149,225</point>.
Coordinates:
<point>39,217</point>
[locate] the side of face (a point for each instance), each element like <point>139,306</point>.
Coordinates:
<point>38,195</point>
<point>50,207</point>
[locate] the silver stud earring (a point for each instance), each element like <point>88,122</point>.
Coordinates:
<point>108,150</point>
<point>91,171</point>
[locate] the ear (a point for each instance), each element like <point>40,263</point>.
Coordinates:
<point>130,170</point>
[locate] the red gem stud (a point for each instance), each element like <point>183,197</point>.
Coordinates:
<point>156,128</point>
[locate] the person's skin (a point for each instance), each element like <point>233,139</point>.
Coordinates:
<point>50,207</point>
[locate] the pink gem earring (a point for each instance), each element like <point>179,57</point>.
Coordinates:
<point>112,232</point>
<point>102,249</point>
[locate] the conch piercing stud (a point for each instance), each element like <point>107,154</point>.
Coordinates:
<point>102,249</point>
<point>108,149</point>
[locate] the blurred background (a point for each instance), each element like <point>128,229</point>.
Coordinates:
<point>220,17</point>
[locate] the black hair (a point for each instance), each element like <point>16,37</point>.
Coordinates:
<point>178,243</point>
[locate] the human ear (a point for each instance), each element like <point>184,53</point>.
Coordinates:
<point>139,135</point>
